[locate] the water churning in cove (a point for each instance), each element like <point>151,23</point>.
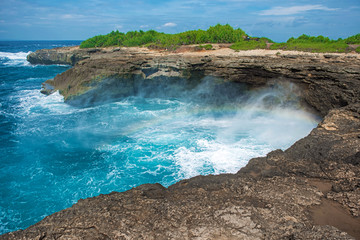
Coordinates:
<point>53,154</point>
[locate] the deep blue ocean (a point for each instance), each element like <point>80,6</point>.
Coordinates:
<point>52,154</point>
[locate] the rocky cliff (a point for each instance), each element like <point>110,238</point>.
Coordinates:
<point>328,80</point>
<point>64,55</point>
<point>309,191</point>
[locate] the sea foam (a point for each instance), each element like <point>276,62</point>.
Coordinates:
<point>18,58</point>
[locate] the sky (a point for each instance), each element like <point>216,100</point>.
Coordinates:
<point>81,19</point>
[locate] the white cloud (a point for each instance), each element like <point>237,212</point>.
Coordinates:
<point>71,16</point>
<point>144,26</point>
<point>67,16</point>
<point>278,11</point>
<point>169,24</point>
<point>118,27</point>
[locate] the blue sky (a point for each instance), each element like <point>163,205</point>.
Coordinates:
<point>81,19</point>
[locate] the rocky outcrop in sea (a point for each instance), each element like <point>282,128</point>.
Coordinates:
<point>309,191</point>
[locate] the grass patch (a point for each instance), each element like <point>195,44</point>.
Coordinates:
<point>250,44</point>
<point>308,43</point>
<point>311,47</point>
<point>206,47</point>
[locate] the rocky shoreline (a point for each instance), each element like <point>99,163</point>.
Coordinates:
<point>309,191</point>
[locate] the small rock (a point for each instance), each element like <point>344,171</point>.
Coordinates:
<point>330,56</point>
<point>336,188</point>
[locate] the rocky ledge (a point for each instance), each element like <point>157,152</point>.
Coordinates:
<point>309,191</point>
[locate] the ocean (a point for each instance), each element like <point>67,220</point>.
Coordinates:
<point>53,154</point>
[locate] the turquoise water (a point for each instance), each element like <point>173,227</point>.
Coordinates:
<point>52,154</point>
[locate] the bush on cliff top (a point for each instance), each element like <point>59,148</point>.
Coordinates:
<point>215,34</point>
<point>353,39</point>
<point>314,44</point>
<point>116,38</point>
<point>218,34</point>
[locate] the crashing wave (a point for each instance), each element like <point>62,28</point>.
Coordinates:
<point>17,58</point>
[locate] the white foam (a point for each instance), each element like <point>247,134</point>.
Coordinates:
<point>111,149</point>
<point>216,157</point>
<point>18,58</point>
<point>14,56</point>
<point>252,132</point>
<point>33,103</point>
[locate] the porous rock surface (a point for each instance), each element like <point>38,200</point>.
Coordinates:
<point>309,191</point>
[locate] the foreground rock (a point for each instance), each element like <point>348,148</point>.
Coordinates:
<point>309,191</point>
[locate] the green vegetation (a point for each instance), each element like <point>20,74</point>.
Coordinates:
<point>215,34</point>
<point>116,38</point>
<point>218,34</point>
<point>206,47</point>
<point>312,44</point>
<point>353,39</point>
<point>249,44</point>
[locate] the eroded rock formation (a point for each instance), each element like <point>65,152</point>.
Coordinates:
<point>309,191</point>
<point>327,80</point>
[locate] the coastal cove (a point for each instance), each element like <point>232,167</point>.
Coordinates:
<point>281,194</point>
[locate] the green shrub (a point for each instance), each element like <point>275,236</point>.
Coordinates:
<point>224,34</point>
<point>306,39</point>
<point>206,47</point>
<point>357,50</point>
<point>353,39</point>
<point>277,46</point>
<point>312,44</point>
<point>130,39</point>
<point>215,34</point>
<point>249,45</point>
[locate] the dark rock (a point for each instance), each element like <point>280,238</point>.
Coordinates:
<point>290,56</point>
<point>330,56</point>
<point>353,159</point>
<point>336,188</point>
<point>47,89</point>
<point>93,50</point>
